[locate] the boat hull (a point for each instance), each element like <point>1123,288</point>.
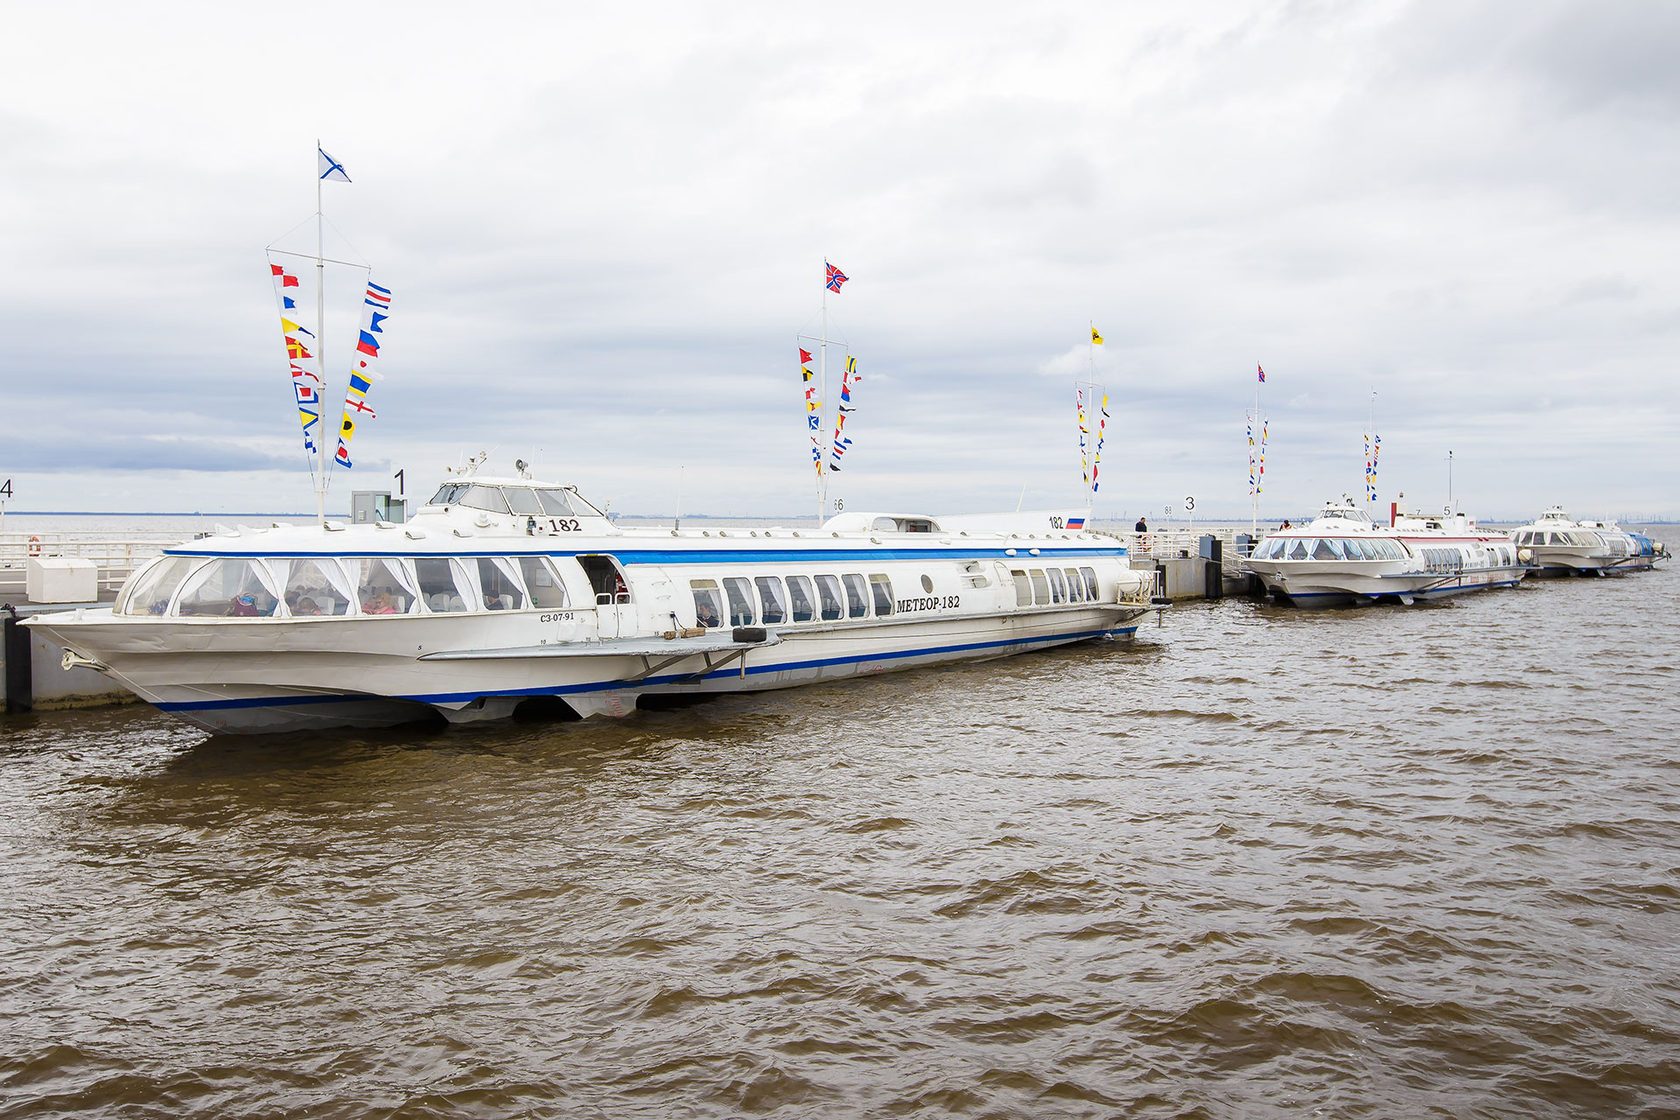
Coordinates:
<point>280,677</point>
<point>1332,587</point>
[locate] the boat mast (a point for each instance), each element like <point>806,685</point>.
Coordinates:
<point>822,390</point>
<point>1091,407</point>
<point>320,351</point>
<point>1253,482</point>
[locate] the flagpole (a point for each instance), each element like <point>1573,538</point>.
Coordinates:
<point>822,416</point>
<point>320,348</point>
<point>1254,479</point>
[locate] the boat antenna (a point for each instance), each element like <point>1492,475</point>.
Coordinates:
<point>1449,481</point>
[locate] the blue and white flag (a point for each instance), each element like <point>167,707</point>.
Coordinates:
<point>331,170</point>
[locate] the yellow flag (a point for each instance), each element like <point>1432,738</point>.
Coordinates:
<point>1095,337</point>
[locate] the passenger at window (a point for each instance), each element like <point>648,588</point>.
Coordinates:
<point>379,603</point>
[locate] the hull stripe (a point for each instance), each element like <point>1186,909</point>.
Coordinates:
<point>610,686</point>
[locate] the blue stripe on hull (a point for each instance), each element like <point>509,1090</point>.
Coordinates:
<point>671,557</point>
<point>612,686</point>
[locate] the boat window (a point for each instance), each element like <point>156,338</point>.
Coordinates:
<point>448,494</point>
<point>881,587</point>
<point>522,500</point>
<point>857,595</point>
<point>1090,575</point>
<point>228,587</point>
<point>828,592</point>
<point>543,581</point>
<point>1058,586</point>
<point>799,593</point>
<point>1041,586</point>
<point>383,586</point>
<point>771,595</point>
<point>1325,550</point>
<point>740,601</point>
<point>555,503</point>
<point>444,586</point>
<point>1023,588</point>
<point>149,591</point>
<point>1298,550</point>
<point>317,587</point>
<point>708,604</point>
<point>1367,550</point>
<point>1075,586</point>
<point>484,497</point>
<point>500,581</point>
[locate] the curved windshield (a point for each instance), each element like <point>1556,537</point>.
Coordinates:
<point>150,589</point>
<point>449,493</point>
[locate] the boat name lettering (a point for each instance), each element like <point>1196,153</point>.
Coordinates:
<point>929,603</point>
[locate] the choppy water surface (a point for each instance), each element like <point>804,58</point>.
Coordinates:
<point>1393,862</point>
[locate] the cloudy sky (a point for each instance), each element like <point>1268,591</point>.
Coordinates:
<point>605,226</point>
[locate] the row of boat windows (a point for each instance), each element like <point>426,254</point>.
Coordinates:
<point>526,501</point>
<point>1326,548</point>
<point>1557,537</point>
<point>773,600</point>
<point>188,587</point>
<point>1442,560</point>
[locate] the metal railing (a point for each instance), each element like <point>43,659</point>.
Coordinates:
<point>115,553</point>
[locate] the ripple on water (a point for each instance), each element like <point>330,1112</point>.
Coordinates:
<point>1263,863</point>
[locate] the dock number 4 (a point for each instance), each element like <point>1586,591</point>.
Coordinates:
<point>6,489</point>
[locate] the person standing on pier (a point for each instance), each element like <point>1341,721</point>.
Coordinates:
<point>1141,527</point>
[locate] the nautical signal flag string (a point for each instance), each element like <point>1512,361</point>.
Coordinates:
<point>813,408</point>
<point>843,442</point>
<point>1090,451</point>
<point>305,366</point>
<point>376,308</point>
<point>1373,449</point>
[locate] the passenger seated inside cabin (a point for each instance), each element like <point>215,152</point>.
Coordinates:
<point>379,603</point>
<point>244,606</point>
<point>307,608</point>
<point>705,614</point>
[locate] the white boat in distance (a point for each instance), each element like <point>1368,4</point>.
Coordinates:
<point>1559,546</point>
<point>1343,558</point>
<point>503,590</point>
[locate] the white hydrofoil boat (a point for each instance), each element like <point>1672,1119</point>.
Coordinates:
<point>501,590</point>
<point>1342,557</point>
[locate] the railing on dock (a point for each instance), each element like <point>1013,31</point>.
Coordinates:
<point>116,553</point>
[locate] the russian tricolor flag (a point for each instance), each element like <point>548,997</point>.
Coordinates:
<point>1076,523</point>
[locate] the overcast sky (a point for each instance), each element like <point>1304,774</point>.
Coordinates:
<point>605,226</point>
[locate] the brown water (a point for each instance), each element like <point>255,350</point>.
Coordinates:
<point>1264,863</point>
